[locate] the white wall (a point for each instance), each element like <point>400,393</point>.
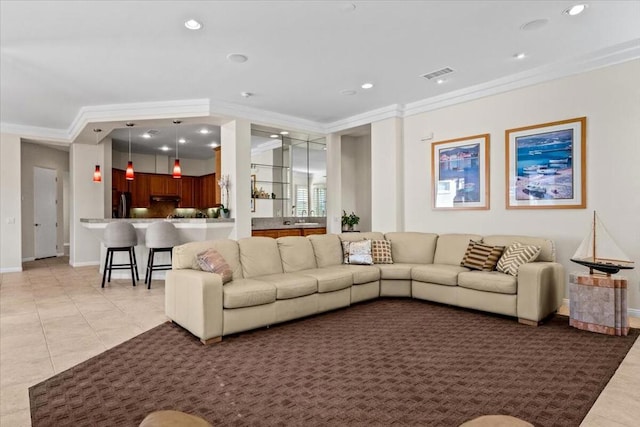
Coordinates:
<point>10,204</point>
<point>356,178</point>
<point>236,163</point>
<point>49,158</point>
<point>609,98</point>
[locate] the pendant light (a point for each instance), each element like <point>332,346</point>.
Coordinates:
<point>97,175</point>
<point>129,173</point>
<point>177,171</point>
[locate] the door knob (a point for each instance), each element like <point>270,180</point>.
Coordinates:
<point>36,224</point>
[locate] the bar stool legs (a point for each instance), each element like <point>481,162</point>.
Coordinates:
<point>151,267</point>
<point>132,265</point>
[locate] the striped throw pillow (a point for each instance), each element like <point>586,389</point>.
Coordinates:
<point>516,255</point>
<point>481,257</point>
<point>381,252</point>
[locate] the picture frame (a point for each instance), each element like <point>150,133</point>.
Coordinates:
<point>253,188</point>
<point>460,173</point>
<point>546,165</point>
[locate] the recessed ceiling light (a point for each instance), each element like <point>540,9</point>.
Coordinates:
<point>246,94</point>
<point>534,25</point>
<point>204,131</point>
<point>237,57</point>
<point>520,55</point>
<point>192,24</point>
<point>182,141</point>
<point>441,81</point>
<point>165,148</point>
<point>284,132</point>
<point>367,86</point>
<point>347,92</point>
<point>574,10</point>
<point>145,136</point>
<point>275,136</point>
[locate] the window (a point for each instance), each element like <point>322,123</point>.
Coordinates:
<point>319,203</point>
<point>302,201</point>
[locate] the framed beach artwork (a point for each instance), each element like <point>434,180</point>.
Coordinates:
<point>546,165</point>
<point>460,173</point>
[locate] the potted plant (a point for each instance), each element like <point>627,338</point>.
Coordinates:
<point>349,221</point>
<point>225,212</point>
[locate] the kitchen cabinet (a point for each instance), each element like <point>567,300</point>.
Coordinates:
<point>310,231</point>
<point>118,180</point>
<point>208,191</point>
<point>186,192</point>
<point>140,191</point>
<point>163,185</point>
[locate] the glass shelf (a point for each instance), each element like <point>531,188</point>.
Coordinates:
<point>260,165</point>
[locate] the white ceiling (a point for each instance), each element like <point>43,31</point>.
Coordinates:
<point>58,57</point>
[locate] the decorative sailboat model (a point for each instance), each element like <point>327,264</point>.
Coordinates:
<point>599,252</point>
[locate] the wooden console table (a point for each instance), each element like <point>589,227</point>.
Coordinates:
<point>598,303</point>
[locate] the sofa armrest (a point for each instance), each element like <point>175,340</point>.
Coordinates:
<point>540,290</point>
<point>193,299</point>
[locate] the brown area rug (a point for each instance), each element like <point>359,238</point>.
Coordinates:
<point>386,362</point>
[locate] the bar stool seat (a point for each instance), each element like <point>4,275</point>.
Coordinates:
<point>120,237</point>
<point>161,236</point>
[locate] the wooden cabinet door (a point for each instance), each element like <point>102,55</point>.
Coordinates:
<point>265,233</point>
<point>118,180</point>
<point>289,232</point>
<point>157,185</point>
<point>309,231</point>
<point>171,185</point>
<point>208,191</point>
<point>140,191</point>
<point>186,192</point>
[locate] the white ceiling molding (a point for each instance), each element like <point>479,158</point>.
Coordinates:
<point>387,112</point>
<point>138,111</point>
<point>620,53</point>
<point>266,118</point>
<point>33,132</point>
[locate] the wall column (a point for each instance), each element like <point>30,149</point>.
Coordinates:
<point>334,183</point>
<point>387,197</point>
<point>10,204</point>
<point>236,163</point>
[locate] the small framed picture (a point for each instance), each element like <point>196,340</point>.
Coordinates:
<point>546,165</point>
<point>460,173</point>
<point>253,192</point>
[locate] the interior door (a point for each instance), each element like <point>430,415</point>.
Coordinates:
<point>45,212</point>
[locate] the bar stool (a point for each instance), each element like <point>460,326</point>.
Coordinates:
<point>120,237</point>
<point>161,236</point>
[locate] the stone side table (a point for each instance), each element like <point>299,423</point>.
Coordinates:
<point>598,303</point>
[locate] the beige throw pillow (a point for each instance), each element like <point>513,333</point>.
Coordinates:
<point>481,257</point>
<point>360,252</point>
<point>213,262</point>
<point>516,255</point>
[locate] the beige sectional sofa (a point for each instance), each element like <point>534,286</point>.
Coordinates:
<point>276,280</point>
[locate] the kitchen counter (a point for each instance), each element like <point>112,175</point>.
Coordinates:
<point>287,226</point>
<point>137,222</point>
<point>258,224</point>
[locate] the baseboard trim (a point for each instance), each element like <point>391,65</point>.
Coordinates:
<point>11,270</point>
<point>84,264</point>
<point>27,259</point>
<point>632,312</point>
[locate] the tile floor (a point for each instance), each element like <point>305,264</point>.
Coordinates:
<point>53,316</point>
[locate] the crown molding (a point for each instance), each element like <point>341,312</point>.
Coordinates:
<point>34,132</point>
<point>390,111</point>
<point>138,111</point>
<point>264,117</point>
<point>599,59</point>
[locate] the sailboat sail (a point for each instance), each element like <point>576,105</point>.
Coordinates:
<point>599,251</point>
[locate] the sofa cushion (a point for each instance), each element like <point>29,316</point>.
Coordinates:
<point>259,256</point>
<point>296,253</point>
<point>412,247</point>
<point>451,248</point>
<point>547,248</point>
<point>213,262</point>
<point>362,273</point>
<point>330,278</point>
<point>247,293</point>
<point>490,281</point>
<point>481,257</point>
<point>441,274</point>
<point>516,255</point>
<point>184,256</point>
<point>327,249</point>
<point>396,271</point>
<point>381,252</point>
<point>358,252</point>
<point>291,285</point>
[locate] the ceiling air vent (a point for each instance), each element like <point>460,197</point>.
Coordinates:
<point>437,73</point>
<point>152,131</point>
